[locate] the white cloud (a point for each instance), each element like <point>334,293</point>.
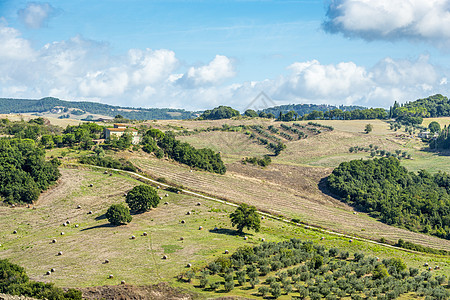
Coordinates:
<point>423,20</point>
<point>12,46</point>
<point>35,14</point>
<point>217,71</point>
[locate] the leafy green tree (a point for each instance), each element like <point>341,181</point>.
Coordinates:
<point>245,216</point>
<point>368,128</point>
<point>118,214</point>
<point>434,127</point>
<point>379,272</point>
<point>251,113</point>
<point>221,112</point>
<point>142,198</point>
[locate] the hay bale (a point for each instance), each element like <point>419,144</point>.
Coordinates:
<point>133,237</point>
<point>54,241</point>
<point>245,237</point>
<point>106,261</point>
<point>110,174</point>
<point>60,253</point>
<point>166,195</point>
<point>322,238</point>
<point>200,227</point>
<point>226,252</point>
<point>15,232</point>
<point>158,187</point>
<point>190,171</point>
<point>181,238</point>
<point>160,198</point>
<point>68,222</point>
<point>262,218</point>
<point>144,234</point>
<point>90,212</point>
<point>62,232</point>
<point>164,257</point>
<point>125,194</point>
<point>355,213</point>
<point>350,241</point>
<point>183,221</point>
<point>79,206</point>
<point>178,192</point>
<point>76,225</point>
<point>48,273</point>
<point>166,203</point>
<point>263,239</point>
<point>64,224</point>
<point>53,270</point>
<point>106,172</point>
<point>111,276</point>
<point>436,267</point>
<point>198,204</point>
<point>122,282</point>
<point>425,264</point>
<point>91,185</point>
<point>430,268</point>
<point>13,205</point>
<point>188,265</point>
<point>188,213</point>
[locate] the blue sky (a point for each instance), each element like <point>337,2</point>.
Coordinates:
<point>200,54</point>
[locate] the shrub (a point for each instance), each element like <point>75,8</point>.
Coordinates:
<point>118,214</point>
<point>142,198</point>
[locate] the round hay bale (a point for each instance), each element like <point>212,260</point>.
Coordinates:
<point>111,276</point>
<point>76,225</point>
<point>355,213</point>
<point>106,172</point>
<point>226,252</point>
<point>13,205</point>
<point>198,204</point>
<point>68,222</point>
<point>166,203</point>
<point>181,238</point>
<point>322,238</point>
<point>188,213</point>
<point>62,232</point>
<point>158,187</point>
<point>430,268</point>
<point>64,224</point>
<point>106,261</point>
<point>122,282</point>
<point>79,206</point>
<point>48,273</point>
<point>166,195</point>
<point>133,237</point>
<point>425,264</point>
<point>53,270</point>
<point>350,241</point>
<point>188,265</point>
<point>245,237</point>
<point>436,267</point>
<point>178,192</point>
<point>164,257</point>
<point>110,174</point>
<point>263,239</point>
<point>125,194</point>
<point>59,253</point>
<point>160,198</point>
<point>200,227</point>
<point>91,185</point>
<point>183,221</point>
<point>377,258</point>
<point>15,232</point>
<point>144,234</point>
<point>262,218</point>
<point>90,212</point>
<point>54,241</point>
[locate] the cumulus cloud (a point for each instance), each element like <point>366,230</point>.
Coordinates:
<point>218,70</point>
<point>35,14</point>
<point>82,69</point>
<point>421,20</point>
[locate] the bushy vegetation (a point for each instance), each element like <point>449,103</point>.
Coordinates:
<point>221,112</point>
<point>24,172</point>
<point>303,269</point>
<point>303,109</point>
<point>376,151</point>
<point>443,139</point>
<point>432,106</point>
<point>263,162</point>
<point>142,198</point>
<point>418,202</point>
<point>335,114</point>
<point>15,281</point>
<point>107,162</point>
<point>118,214</point>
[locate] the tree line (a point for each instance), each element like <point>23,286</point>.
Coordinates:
<point>418,202</point>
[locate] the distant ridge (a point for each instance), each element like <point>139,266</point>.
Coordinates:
<point>303,109</point>
<point>9,105</point>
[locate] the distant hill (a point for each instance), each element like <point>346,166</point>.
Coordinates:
<point>303,109</point>
<point>55,105</point>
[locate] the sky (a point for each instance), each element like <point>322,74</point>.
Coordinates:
<point>200,54</point>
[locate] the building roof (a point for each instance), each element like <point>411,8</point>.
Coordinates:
<point>122,129</point>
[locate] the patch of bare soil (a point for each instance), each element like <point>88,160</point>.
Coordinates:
<point>161,291</point>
